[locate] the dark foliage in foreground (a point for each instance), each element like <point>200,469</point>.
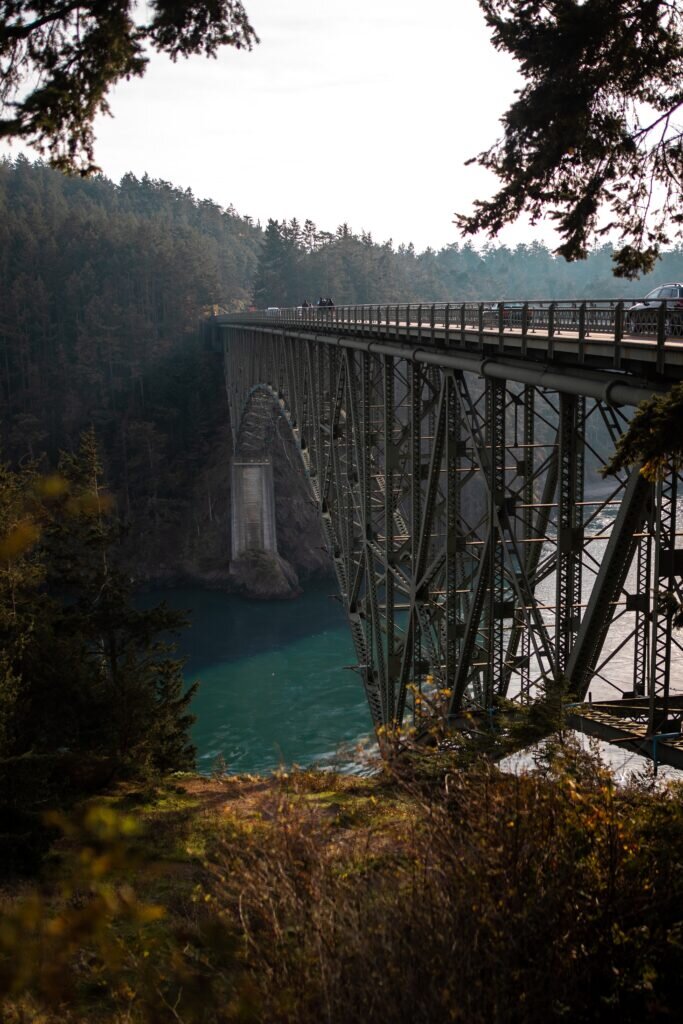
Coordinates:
<point>495,900</point>
<point>71,54</point>
<point>595,128</point>
<point>465,896</point>
<point>654,437</point>
<point>89,687</point>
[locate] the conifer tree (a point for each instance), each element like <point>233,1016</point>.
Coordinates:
<point>271,285</point>
<point>125,646</point>
<point>90,685</point>
<point>595,129</point>
<point>59,60</point>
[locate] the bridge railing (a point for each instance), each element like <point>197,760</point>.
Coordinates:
<point>611,326</point>
<point>615,317</point>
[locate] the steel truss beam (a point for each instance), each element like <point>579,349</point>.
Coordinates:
<point>478,553</point>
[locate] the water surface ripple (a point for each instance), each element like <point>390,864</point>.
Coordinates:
<point>273,687</point>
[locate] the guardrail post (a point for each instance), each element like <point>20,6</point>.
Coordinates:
<point>419,322</point>
<point>462,323</point>
<point>431,322</point>
<point>551,329</point>
<point>480,323</point>
<point>408,317</point>
<point>618,333</point>
<point>525,327</point>
<point>501,325</point>
<point>447,323</point>
<point>661,335</point>
<point>582,331</point>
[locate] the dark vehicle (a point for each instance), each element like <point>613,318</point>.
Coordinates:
<point>642,318</point>
<point>512,314</point>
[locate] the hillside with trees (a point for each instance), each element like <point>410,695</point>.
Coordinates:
<point>301,261</point>
<point>103,286</point>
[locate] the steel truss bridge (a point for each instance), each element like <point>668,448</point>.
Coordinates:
<point>453,452</point>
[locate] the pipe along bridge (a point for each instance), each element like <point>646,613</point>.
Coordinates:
<point>453,451</point>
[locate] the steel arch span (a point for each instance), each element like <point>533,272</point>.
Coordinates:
<point>478,551</point>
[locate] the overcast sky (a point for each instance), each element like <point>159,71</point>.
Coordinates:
<point>349,110</point>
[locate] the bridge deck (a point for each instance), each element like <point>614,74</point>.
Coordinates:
<point>596,338</point>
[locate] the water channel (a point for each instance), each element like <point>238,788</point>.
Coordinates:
<point>276,689</point>
<point>273,686</point>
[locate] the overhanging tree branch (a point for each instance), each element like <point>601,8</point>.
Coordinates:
<point>75,53</point>
<point>574,146</point>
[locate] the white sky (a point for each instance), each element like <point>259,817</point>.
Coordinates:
<point>349,110</point>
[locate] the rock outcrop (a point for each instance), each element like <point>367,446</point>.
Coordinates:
<point>264,576</point>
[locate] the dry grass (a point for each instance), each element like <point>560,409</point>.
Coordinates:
<point>310,897</point>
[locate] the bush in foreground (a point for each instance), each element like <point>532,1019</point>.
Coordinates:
<point>476,897</point>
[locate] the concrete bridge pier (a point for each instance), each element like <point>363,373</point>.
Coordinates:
<point>253,508</point>
<point>256,568</point>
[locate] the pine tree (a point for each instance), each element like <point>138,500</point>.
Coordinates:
<point>90,685</point>
<point>271,284</point>
<point>125,647</point>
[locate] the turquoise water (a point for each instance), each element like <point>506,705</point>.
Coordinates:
<point>273,687</point>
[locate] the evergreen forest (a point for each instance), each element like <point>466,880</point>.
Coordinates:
<point>102,286</point>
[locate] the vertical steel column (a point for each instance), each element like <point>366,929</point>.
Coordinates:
<point>412,643</point>
<point>389,509</point>
<point>495,442</point>
<point>569,527</point>
<point>357,475</point>
<point>463,573</point>
<point>528,529</point>
<point>663,599</point>
<point>351,476</point>
<point>453,548</point>
<point>372,431</point>
<point>291,395</point>
<point>641,602</point>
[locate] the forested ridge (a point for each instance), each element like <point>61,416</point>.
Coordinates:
<point>300,261</point>
<point>101,289</point>
<point>102,286</point>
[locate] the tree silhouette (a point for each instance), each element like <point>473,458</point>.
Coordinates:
<point>72,53</point>
<point>592,139</point>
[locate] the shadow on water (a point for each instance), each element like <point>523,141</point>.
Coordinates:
<point>225,627</point>
<point>273,686</point>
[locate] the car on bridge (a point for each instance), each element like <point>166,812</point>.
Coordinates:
<point>642,318</point>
